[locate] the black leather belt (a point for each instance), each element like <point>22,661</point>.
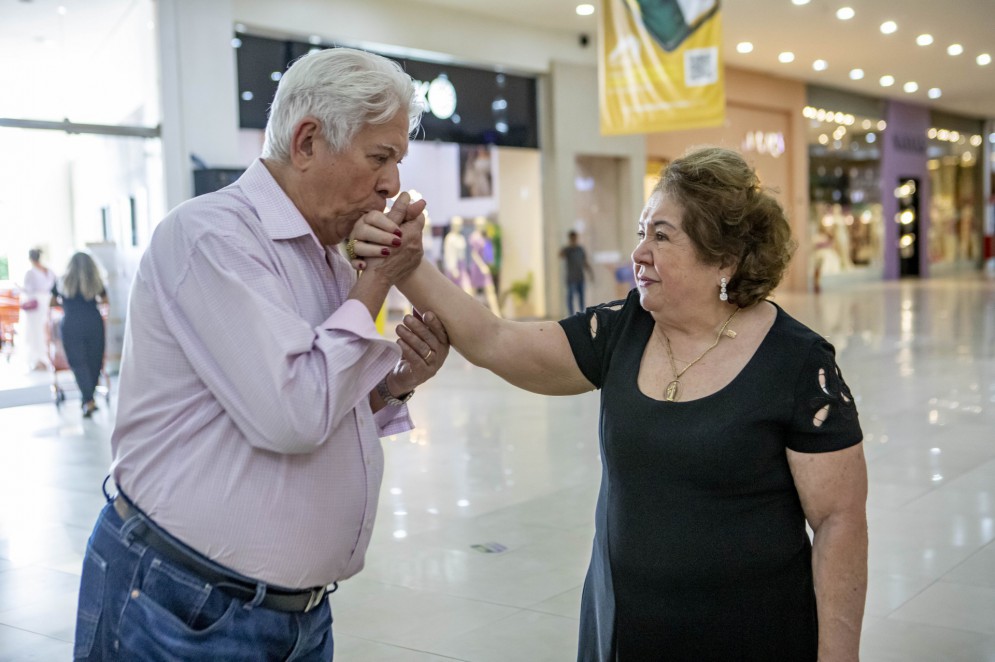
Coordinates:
<point>237,586</point>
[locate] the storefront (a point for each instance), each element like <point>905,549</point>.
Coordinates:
<point>956,154</point>
<point>845,137</point>
<point>895,189</point>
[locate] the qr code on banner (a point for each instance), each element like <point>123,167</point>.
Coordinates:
<point>701,67</point>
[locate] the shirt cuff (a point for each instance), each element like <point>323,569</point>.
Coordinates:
<point>393,420</point>
<point>354,317</point>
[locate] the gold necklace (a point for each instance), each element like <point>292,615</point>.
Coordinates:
<point>674,387</point>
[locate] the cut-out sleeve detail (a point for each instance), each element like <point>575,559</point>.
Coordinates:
<point>590,335</point>
<point>825,415</point>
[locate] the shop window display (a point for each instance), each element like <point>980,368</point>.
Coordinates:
<point>845,212</point>
<point>955,233</point>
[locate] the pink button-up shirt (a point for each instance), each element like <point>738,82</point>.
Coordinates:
<point>244,426</point>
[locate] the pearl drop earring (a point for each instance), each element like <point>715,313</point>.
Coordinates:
<point>723,294</point>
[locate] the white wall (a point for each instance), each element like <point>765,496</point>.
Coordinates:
<point>574,131</point>
<point>200,107</point>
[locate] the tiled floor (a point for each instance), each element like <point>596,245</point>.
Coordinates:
<point>490,464</point>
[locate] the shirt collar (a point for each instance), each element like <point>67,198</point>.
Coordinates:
<point>279,215</point>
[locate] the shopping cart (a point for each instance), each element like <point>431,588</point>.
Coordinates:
<point>57,357</point>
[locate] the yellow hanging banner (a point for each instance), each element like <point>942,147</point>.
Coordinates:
<point>660,65</point>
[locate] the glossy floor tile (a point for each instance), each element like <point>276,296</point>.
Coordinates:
<point>486,513</point>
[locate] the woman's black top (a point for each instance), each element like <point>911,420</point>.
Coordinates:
<point>700,551</point>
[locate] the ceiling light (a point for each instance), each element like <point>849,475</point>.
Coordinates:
<point>888,27</point>
<point>856,74</point>
<point>976,141</point>
<point>887,81</point>
<point>955,49</point>
<point>924,39</point>
<point>800,2</point>
<point>845,13</point>
<point>882,125</point>
<point>786,56</point>
<point>866,124</point>
<point>934,93</point>
<point>585,9</point>
<point>744,47</point>
<point>911,86</point>
<point>984,59</point>
<point>820,65</point>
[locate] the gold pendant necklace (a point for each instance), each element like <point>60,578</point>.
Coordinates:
<point>674,387</point>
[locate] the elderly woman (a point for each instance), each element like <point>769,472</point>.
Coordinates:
<point>725,426</point>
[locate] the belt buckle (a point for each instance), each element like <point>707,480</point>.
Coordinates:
<point>317,594</point>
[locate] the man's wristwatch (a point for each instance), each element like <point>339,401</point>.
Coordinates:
<point>389,398</point>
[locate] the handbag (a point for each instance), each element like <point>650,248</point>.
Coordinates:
<point>30,304</point>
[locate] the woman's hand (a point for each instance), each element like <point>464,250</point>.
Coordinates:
<point>379,234</point>
<point>424,347</point>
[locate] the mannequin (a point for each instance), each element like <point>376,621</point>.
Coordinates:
<point>454,263</point>
<point>480,270</point>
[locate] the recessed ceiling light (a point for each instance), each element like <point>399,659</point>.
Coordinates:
<point>888,27</point>
<point>934,93</point>
<point>785,57</point>
<point>856,74</point>
<point>887,81</point>
<point>820,65</point>
<point>924,39</point>
<point>800,2</point>
<point>585,9</point>
<point>911,86</point>
<point>955,49</point>
<point>744,47</point>
<point>984,59</point>
<point>845,13</point>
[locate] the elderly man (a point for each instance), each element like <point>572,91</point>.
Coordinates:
<point>254,386</point>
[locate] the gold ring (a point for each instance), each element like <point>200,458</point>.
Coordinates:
<point>428,356</point>
<point>350,249</point>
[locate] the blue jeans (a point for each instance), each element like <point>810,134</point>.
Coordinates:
<point>575,290</point>
<point>136,605</point>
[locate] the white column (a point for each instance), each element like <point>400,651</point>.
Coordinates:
<point>199,90</point>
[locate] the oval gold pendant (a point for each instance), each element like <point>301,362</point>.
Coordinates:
<point>673,390</point>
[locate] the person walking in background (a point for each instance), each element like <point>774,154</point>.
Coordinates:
<point>254,386</point>
<point>36,298</point>
<point>82,329</point>
<point>725,428</point>
<point>576,260</point>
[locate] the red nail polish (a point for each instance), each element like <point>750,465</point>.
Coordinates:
<point>398,233</point>
<point>396,242</point>
<point>385,251</point>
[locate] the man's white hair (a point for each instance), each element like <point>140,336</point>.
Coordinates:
<point>345,90</point>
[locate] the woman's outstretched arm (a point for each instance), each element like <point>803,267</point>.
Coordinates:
<point>534,356</point>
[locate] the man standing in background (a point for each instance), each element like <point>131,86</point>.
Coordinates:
<point>577,264</point>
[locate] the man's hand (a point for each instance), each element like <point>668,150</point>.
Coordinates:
<point>424,347</point>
